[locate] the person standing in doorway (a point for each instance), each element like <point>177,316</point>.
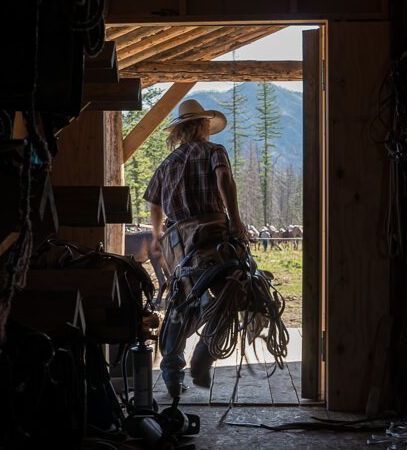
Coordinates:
<point>194,188</point>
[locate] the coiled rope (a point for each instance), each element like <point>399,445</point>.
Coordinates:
<point>247,307</point>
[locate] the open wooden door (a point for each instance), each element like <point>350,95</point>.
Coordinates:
<point>312,336</point>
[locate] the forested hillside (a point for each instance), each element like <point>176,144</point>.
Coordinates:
<point>288,145</point>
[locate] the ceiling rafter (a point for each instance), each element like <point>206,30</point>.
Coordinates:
<point>164,45</point>
<point>241,38</point>
<point>153,41</point>
<point>135,36</point>
<point>175,52</point>
<point>116,32</point>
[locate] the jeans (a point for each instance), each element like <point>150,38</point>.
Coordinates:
<point>172,364</point>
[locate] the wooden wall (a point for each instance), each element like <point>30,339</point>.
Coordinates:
<point>81,162</point>
<point>175,11</point>
<point>358,268</point>
<point>90,154</point>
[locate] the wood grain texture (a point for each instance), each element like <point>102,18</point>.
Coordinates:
<point>239,39</point>
<point>358,271</point>
<point>116,32</point>
<point>114,174</point>
<point>214,36</point>
<point>193,71</point>
<point>311,278</point>
<point>155,44</point>
<point>135,36</point>
<point>81,162</point>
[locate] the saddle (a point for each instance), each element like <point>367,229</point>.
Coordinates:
<point>107,320</point>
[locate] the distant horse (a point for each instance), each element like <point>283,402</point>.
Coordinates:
<point>295,232</point>
<point>138,245</point>
<point>253,235</point>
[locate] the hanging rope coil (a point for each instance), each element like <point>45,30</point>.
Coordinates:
<point>239,302</point>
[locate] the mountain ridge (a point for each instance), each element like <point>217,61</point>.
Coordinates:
<point>288,145</point>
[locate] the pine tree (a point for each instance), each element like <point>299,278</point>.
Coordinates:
<point>267,131</point>
<point>251,194</point>
<point>140,167</point>
<point>235,110</point>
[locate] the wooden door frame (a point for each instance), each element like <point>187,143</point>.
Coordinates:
<point>323,235</point>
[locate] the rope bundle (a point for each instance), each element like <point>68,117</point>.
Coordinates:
<point>243,307</point>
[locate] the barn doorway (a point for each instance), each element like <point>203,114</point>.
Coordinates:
<point>302,377</point>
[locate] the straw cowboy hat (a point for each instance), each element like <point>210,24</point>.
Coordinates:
<point>191,110</point>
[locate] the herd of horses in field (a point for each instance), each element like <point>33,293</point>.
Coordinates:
<point>271,237</point>
<point>138,244</point>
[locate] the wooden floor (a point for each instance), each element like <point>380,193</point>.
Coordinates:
<point>255,387</point>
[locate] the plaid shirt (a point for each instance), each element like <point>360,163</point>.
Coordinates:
<point>184,184</point>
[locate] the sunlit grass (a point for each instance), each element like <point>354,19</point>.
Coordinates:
<point>286,266</point>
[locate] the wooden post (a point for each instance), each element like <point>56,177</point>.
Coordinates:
<point>81,162</point>
<point>311,276</point>
<point>154,117</point>
<point>358,267</point>
<point>114,174</point>
<point>90,154</point>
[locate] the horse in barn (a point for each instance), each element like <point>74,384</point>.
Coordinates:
<point>138,245</point>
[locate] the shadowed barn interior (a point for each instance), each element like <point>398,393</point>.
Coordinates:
<point>76,313</point>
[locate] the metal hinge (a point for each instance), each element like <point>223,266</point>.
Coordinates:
<point>323,345</point>
<point>323,74</point>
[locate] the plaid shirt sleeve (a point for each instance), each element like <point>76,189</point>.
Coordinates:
<point>219,157</point>
<point>153,191</point>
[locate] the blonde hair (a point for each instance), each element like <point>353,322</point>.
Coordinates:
<point>189,131</point>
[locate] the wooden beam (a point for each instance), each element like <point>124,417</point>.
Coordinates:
<point>127,12</point>
<point>211,51</point>
<point>152,41</point>
<point>154,117</point>
<point>102,68</point>
<point>182,49</point>
<point>137,35</point>
<point>177,40</point>
<point>115,32</point>
<point>123,96</point>
<point>193,71</point>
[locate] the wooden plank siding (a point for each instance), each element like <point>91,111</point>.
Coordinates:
<point>81,162</point>
<point>90,154</point>
<point>358,268</point>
